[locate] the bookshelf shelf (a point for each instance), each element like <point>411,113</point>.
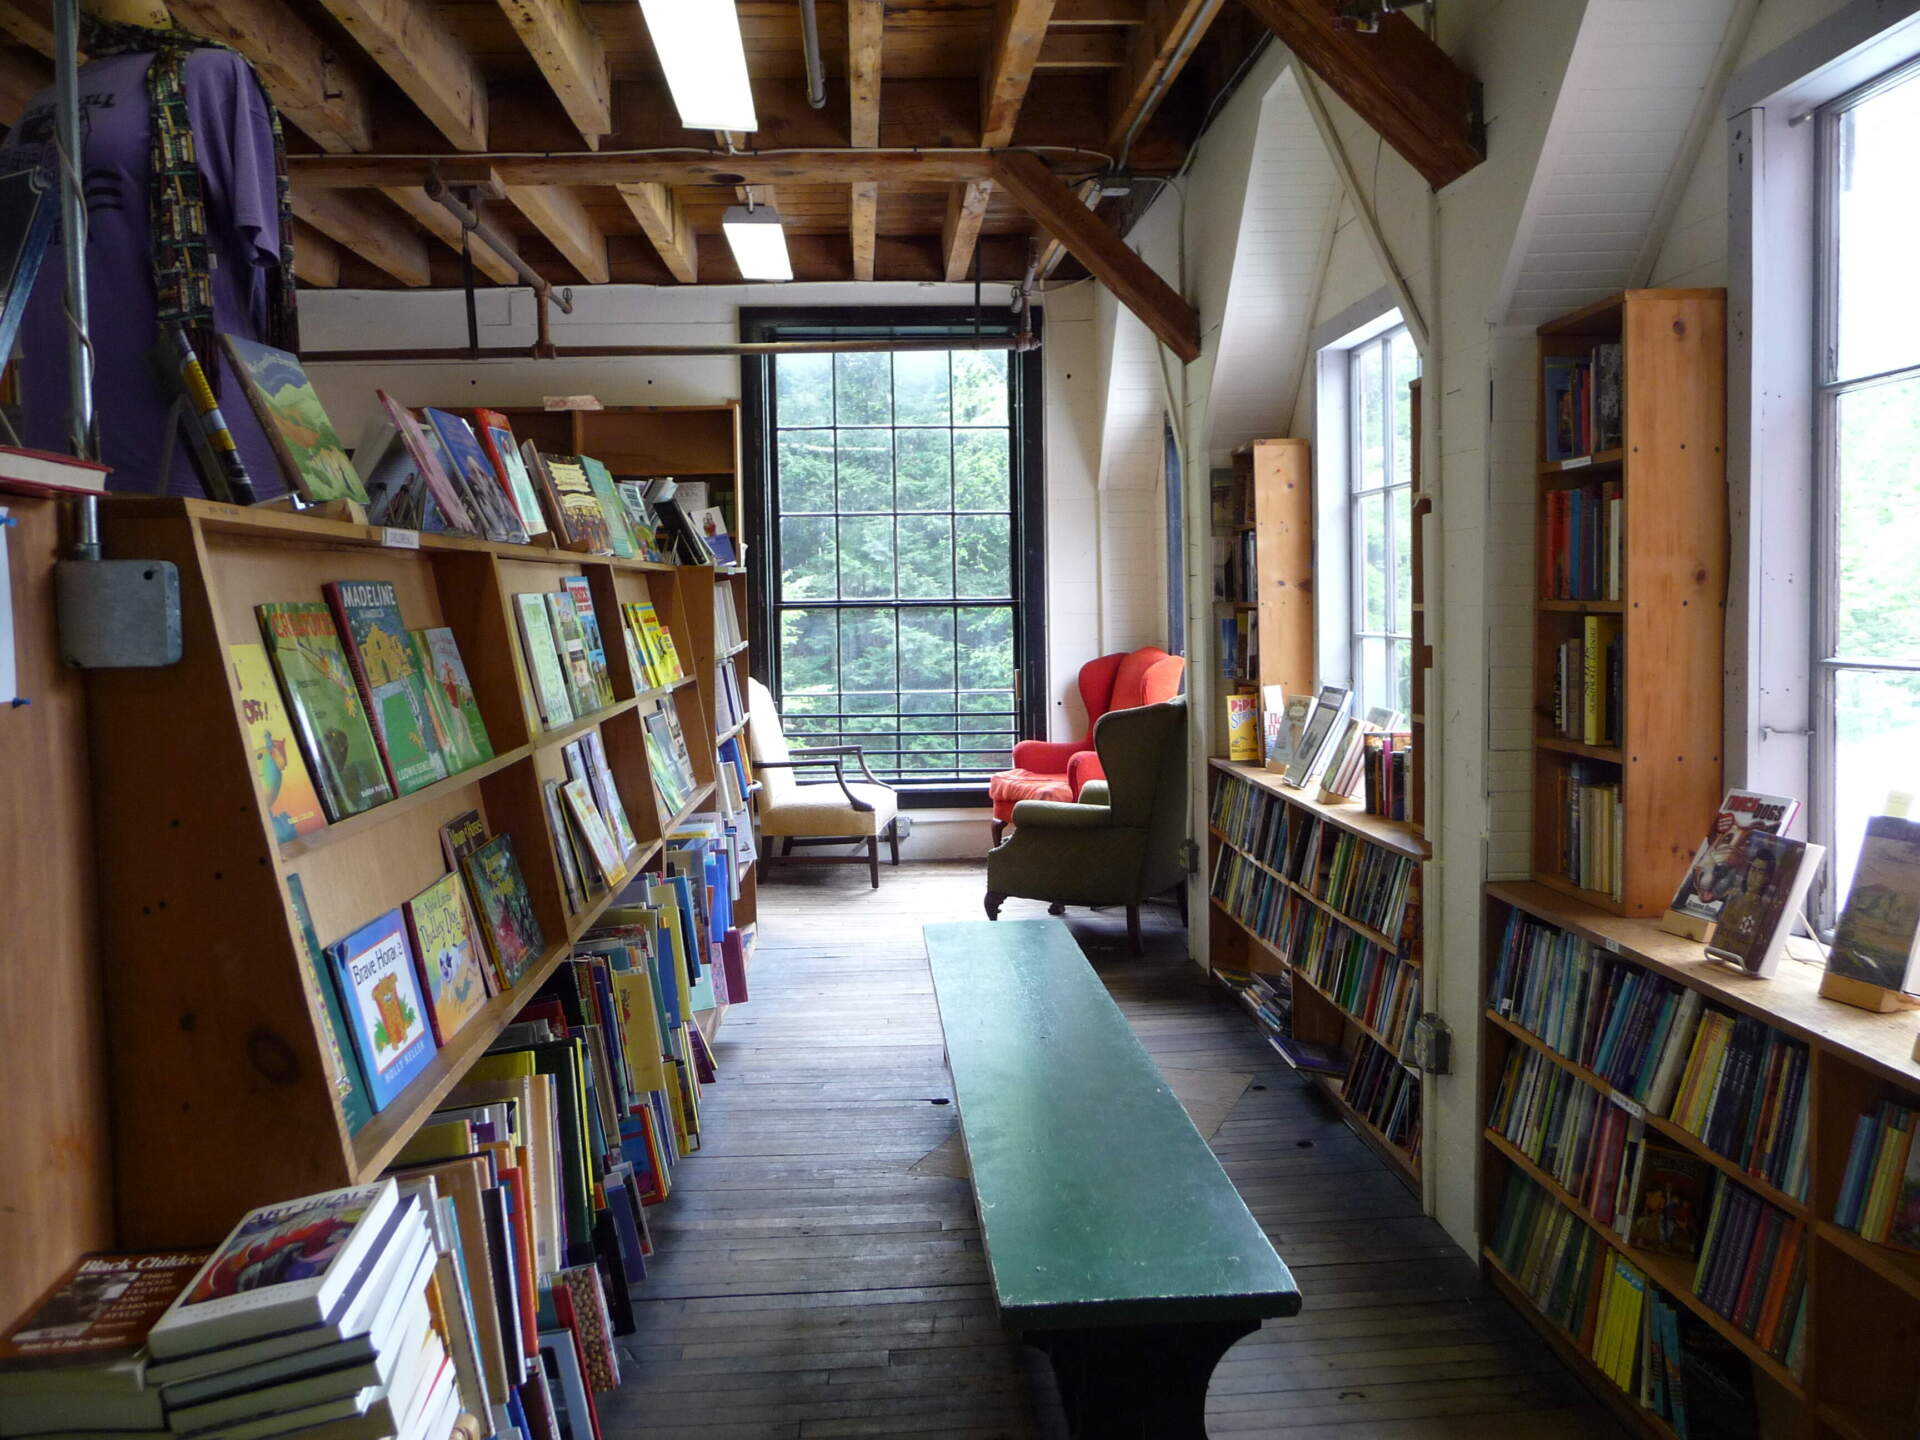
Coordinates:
<point>1420,626</point>
<point>208,979</point>
<point>1581,607</point>
<point>1595,461</point>
<point>1607,753</point>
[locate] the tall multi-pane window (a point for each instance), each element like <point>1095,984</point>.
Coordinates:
<point>1867,627</point>
<point>893,549</point>
<point>1380,484</point>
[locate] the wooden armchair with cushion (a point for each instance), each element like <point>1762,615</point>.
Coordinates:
<point>831,811</point>
<point>1119,843</point>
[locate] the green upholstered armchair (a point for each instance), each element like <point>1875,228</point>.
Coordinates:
<point>1119,843</point>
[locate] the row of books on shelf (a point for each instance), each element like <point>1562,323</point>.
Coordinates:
<point>1239,648</point>
<point>1375,886</point>
<point>1236,574</point>
<point>1585,532</point>
<point>1584,408</point>
<point>1313,742</point>
<point>566,656</point>
<point>730,707</point>
<point>486,1276</point>
<point>1589,825</point>
<point>728,633</point>
<point>1587,692</point>
<point>1880,1189</point>
<point>1737,1084</point>
<point>1672,1362</point>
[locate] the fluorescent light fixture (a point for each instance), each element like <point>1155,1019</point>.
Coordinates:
<point>698,42</point>
<point>759,244</point>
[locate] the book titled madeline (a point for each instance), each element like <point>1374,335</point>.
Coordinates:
<point>284,1267</point>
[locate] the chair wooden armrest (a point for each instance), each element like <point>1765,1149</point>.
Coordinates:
<point>858,753</point>
<point>854,802</point>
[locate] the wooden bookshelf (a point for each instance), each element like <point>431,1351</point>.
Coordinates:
<point>1863,1312</point>
<point>1421,512</point>
<point>1270,497</point>
<point>1671,471</point>
<point>219,1094</point>
<point>1319,1015</point>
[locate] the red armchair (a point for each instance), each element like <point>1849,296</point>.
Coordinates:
<point>1059,769</point>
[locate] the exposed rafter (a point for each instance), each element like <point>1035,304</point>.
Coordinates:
<point>705,167</point>
<point>316,259</point>
<point>561,216</point>
<point>666,226</point>
<point>1396,79</point>
<point>1094,244</point>
<point>966,209</point>
<point>20,81</point>
<point>409,40</point>
<point>1156,54</point>
<point>370,228</point>
<point>866,28</point>
<point>434,218</point>
<point>27,28</point>
<point>863,223</point>
<point>568,51</point>
<point>1020,30</point>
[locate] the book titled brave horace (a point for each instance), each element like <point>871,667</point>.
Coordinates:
<point>385,1012</point>
<point>283,1267</point>
<point>447,678</point>
<point>392,687</point>
<point>511,929</point>
<point>448,955</point>
<point>323,702</point>
<point>279,770</point>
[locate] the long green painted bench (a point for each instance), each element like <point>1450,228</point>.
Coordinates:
<point>1117,1244</point>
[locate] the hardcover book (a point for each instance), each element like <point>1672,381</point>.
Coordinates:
<point>1715,872</point>
<point>343,1065</point>
<point>1879,931</point>
<point>1243,727</point>
<point>593,828</point>
<point>461,836</point>
<point>599,779</point>
<point>543,660</point>
<point>713,526</point>
<point>447,675</point>
<point>323,702</point>
<point>392,685</point>
<point>431,461</point>
<point>511,929</point>
<point>612,509</point>
<point>386,1015</point>
<point>571,641</point>
<point>496,437</point>
<point>487,499</point>
<point>284,1266</point>
<point>1670,1202</point>
<point>580,590</point>
<point>573,510</point>
<point>296,423</point>
<point>95,1315</point>
<point>1757,918</point>
<point>279,770</point>
<point>1285,741</point>
<point>448,956</point>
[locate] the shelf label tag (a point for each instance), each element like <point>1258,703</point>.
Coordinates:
<point>1609,944</point>
<point>395,538</point>
<point>1629,1104</point>
<point>1578,462</point>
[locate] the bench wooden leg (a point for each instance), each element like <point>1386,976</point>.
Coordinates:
<point>1137,1383</point>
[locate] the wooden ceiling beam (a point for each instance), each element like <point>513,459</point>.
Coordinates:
<point>1155,58</point>
<point>667,228</point>
<point>559,214</point>
<point>1090,49</point>
<point>409,40</point>
<point>369,228</point>
<point>803,167</point>
<point>1397,80</point>
<point>436,220</point>
<point>1020,30</point>
<point>20,80</point>
<point>568,51</point>
<point>1097,12</point>
<point>27,28</point>
<point>960,232</point>
<point>866,28</point>
<point>1094,244</point>
<point>316,259</point>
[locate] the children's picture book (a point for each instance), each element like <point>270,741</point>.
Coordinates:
<point>1670,1205</point>
<point>96,1314</point>
<point>279,770</point>
<point>283,1267</point>
<point>392,685</point>
<point>1879,931</point>
<point>580,591</point>
<point>480,486</point>
<point>612,510</point>
<point>386,1015</point>
<point>713,526</point>
<point>431,461</point>
<point>573,510</point>
<point>496,437</point>
<point>572,871</point>
<point>593,829</point>
<point>1715,873</point>
<point>606,797</point>
<point>446,676</point>
<point>550,687</point>
<point>1243,727</point>
<point>640,518</point>
<point>1903,1224</point>
<point>1756,919</point>
<point>582,692</point>
<point>296,423</point>
<point>323,703</point>
<point>447,951</point>
<point>337,1053</point>
<point>508,924</point>
<point>461,836</point>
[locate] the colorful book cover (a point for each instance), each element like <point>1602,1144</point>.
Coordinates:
<point>386,1015</point>
<point>337,1053</point>
<point>286,785</point>
<point>1671,1201</point>
<point>430,458</point>
<point>612,509</point>
<point>543,660</point>
<point>323,702</point>
<point>99,1311</point>
<point>1243,727</point>
<point>640,518</point>
<point>713,527</point>
<point>496,437</point>
<point>593,828</point>
<point>487,499</point>
<point>572,873</point>
<point>392,686</point>
<point>1903,1227</point>
<point>1757,918</point>
<point>573,509</point>
<point>1879,931</point>
<point>571,641</point>
<point>511,929</point>
<point>461,836</point>
<point>1718,864</point>
<point>600,779</point>
<point>580,589</point>
<point>290,411</point>
<point>446,676</point>
<point>449,959</point>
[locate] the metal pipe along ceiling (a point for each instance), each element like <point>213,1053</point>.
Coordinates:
<point>1020,343</point>
<point>810,47</point>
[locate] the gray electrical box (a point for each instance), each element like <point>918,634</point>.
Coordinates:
<point>1432,1045</point>
<point>118,614</point>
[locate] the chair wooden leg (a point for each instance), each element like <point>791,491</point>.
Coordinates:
<point>999,829</point>
<point>1133,930</point>
<point>994,902</point>
<point>786,846</point>
<point>873,860</point>
<point>893,838</point>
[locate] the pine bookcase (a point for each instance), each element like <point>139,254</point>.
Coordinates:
<point>1671,469</point>
<point>1420,513</point>
<point>1271,500</point>
<point>1325,1011</point>
<point>1857,1380</point>
<point>219,1095</point>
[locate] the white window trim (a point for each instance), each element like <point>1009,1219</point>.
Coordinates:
<point>1773,428</point>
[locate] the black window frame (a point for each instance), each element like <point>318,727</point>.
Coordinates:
<point>1027,452</point>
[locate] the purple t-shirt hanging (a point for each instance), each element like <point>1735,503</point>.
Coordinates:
<point>234,138</point>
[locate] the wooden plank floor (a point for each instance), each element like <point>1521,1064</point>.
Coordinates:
<point>808,1285</point>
